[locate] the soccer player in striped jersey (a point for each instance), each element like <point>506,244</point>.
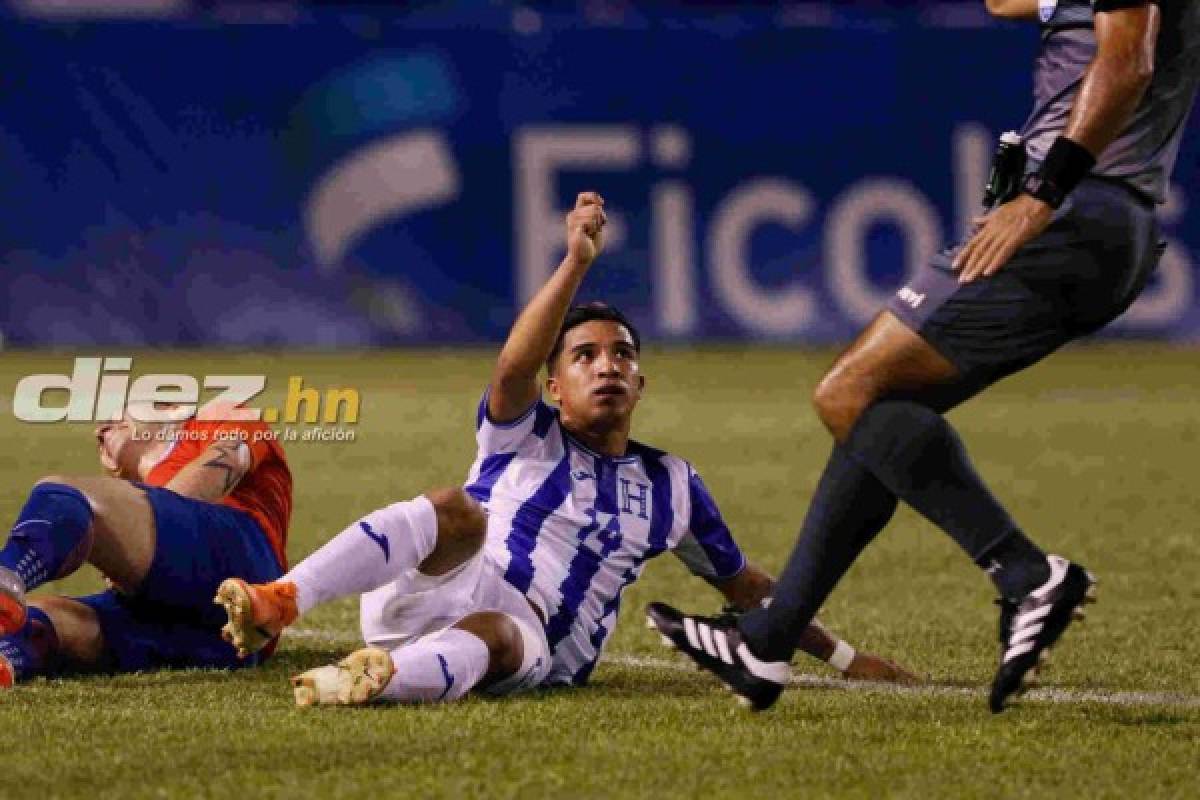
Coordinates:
<point>514,581</point>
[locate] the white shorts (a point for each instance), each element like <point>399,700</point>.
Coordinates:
<point>417,605</point>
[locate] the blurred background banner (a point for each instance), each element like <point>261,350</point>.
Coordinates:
<point>272,175</point>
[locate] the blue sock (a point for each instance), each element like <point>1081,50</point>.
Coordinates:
<point>913,451</point>
<point>849,507</point>
<point>32,649</point>
<point>52,536</point>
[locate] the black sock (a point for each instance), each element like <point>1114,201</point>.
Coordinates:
<point>1016,565</point>
<point>849,507</point>
<point>913,451</point>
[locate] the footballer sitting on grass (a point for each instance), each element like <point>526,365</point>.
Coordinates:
<point>514,581</point>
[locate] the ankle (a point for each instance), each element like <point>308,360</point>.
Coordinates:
<point>1015,567</point>
<point>283,599</point>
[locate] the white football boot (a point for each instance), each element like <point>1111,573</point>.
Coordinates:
<point>356,680</point>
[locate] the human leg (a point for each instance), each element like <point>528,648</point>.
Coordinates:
<point>109,632</point>
<point>67,521</point>
<point>882,402</point>
<point>162,615</point>
<point>30,651</point>
<point>432,534</point>
<point>885,397</point>
<point>67,634</point>
<point>485,650</point>
<point>435,638</point>
<point>494,643</point>
<point>883,450</point>
<point>878,401</point>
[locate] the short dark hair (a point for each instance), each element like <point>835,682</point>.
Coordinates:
<point>577,315</point>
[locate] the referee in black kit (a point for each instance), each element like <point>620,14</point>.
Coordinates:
<point>1114,82</point>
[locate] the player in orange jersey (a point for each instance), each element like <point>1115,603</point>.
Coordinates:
<point>188,502</point>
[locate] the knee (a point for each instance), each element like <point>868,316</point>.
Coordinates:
<point>839,402</point>
<point>54,480</point>
<point>502,637</point>
<point>50,486</point>
<point>459,517</point>
<point>59,499</point>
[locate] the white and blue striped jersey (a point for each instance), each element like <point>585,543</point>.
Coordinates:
<point>571,528</point>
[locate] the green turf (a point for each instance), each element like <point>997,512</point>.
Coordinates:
<point>1094,451</point>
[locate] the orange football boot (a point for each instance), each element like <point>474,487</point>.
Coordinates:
<point>12,602</point>
<point>257,612</point>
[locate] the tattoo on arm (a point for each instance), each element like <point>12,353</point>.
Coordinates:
<point>227,461</point>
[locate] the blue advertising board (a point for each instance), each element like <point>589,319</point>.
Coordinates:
<point>356,179</point>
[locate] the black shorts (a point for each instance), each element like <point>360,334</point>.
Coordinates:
<point>1081,273</point>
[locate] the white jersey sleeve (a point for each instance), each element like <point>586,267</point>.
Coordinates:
<point>499,444</point>
<point>506,437</point>
<point>707,547</point>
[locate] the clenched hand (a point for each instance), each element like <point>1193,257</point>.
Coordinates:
<point>585,228</point>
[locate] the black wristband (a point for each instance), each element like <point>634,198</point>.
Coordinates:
<point>1065,166</point>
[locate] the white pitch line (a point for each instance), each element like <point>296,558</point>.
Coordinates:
<point>316,634</point>
<point>808,680</point>
<point>1069,696</point>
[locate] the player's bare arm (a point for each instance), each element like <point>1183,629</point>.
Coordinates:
<point>214,473</point>
<point>129,449</point>
<point>1013,9</point>
<point>1119,74</point>
<point>1111,89</point>
<point>514,384</point>
<point>748,589</point>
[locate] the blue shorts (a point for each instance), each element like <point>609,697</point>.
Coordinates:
<point>171,620</point>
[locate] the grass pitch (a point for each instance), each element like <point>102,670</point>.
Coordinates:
<point>1094,452</point>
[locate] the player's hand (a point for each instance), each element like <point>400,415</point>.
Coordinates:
<point>999,234</point>
<point>585,228</point>
<point>868,667</point>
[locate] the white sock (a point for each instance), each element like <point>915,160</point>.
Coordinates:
<point>437,668</point>
<point>376,550</point>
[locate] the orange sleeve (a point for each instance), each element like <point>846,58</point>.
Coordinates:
<point>256,435</point>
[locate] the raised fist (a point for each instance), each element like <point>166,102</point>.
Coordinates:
<point>585,228</point>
